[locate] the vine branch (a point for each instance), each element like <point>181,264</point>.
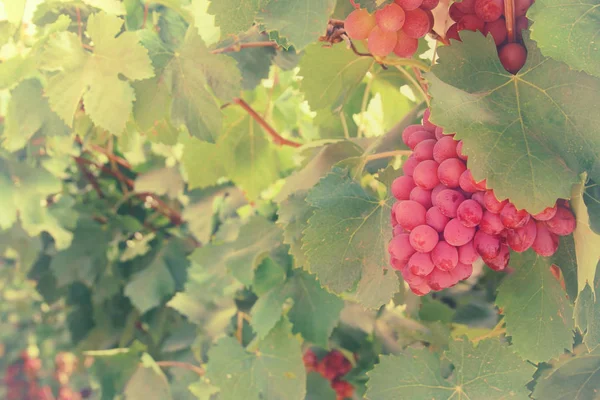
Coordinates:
<point>239,46</point>
<point>180,364</point>
<point>277,138</point>
<point>387,154</point>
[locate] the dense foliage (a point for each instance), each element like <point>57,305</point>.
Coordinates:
<point>199,198</point>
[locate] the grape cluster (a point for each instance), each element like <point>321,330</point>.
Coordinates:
<point>395,28</point>
<point>487,17</point>
<point>444,220</point>
<point>333,366</point>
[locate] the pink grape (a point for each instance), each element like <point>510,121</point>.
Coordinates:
<point>469,213</point>
<point>513,218</point>
<point>412,279</point>
<point>400,247</point>
<point>459,151</point>
<point>409,4</point>
<point>448,201</point>
<point>489,10</point>
<point>406,46</point>
<point>359,24</point>
<point>420,290</point>
<point>421,196</point>
<point>471,22</point>
<point>467,180</point>
<point>435,191</point>
<point>513,57</point>
<point>409,130</point>
<point>402,186</point>
<point>546,214</point>
<point>398,265</point>
<point>416,24</point>
<point>424,150</point>
<point>425,174</point>
<point>467,253</point>
<point>487,246</point>
<point>408,167</point>
<point>521,239</point>
<point>429,4</point>
<point>423,238</point>
<point>381,43</point>
<point>439,280</point>
<point>491,223</point>
<point>420,264</point>
<point>436,219</point>
<point>563,223</point>
<point>478,197</point>
<point>418,137</point>
<point>497,29</point>
<point>546,242</point>
<point>398,230</point>
<point>426,122</point>
<point>457,234</point>
<point>444,149</point>
<point>462,271</point>
<point>466,6</point>
<point>444,256</point>
<point>521,7</point>
<point>410,214</point>
<point>439,133</point>
<point>450,170</point>
<point>390,18</point>
<point>500,261</point>
<point>492,204</point>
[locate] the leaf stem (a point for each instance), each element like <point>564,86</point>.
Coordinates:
<point>180,364</point>
<point>344,124</point>
<point>387,154</point>
<point>239,46</point>
<point>79,25</point>
<point>277,138</point>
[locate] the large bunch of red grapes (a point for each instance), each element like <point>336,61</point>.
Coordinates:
<point>395,28</point>
<point>444,220</point>
<point>333,366</point>
<point>487,17</point>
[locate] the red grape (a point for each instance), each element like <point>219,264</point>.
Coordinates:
<point>406,46</point>
<point>400,247</point>
<point>439,133</point>
<point>491,223</point>
<point>448,201</point>
<point>420,264</point>
<point>410,214</point>
<point>546,214</point>
<point>467,253</point>
<point>439,280</point>
<point>424,150</point>
<point>398,230</point>
<point>469,213</point>
<point>513,218</point>
<point>452,32</point>
<point>455,12</point>
<point>500,261</point>
<point>426,122</point>
<point>489,10</point>
<point>423,238</point>
<point>421,289</point>
<point>416,24</point>
<point>425,174</point>
<point>397,264</point>
<point>418,137</point>
<point>402,186</point>
<point>390,18</point>
<point>471,23</point>
<point>459,152</point>
<point>412,279</point>
<point>444,256</point>
<point>409,130</point>
<point>409,4</point>
<point>421,196</point>
<point>512,56</point>
<point>546,242</point>
<point>429,4</point>
<point>521,7</point>
<point>436,219</point>
<point>381,43</point>
<point>563,223</point>
<point>497,29</point>
<point>478,197</point>
<point>450,170</point>
<point>521,239</point>
<point>492,204</point>
<point>521,24</point>
<point>457,234</point>
<point>343,389</point>
<point>408,167</point>
<point>466,6</point>
<point>462,271</point>
<point>487,246</point>
<point>359,24</point>
<point>444,149</point>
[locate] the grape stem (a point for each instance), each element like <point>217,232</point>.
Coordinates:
<point>408,62</point>
<point>145,14</point>
<point>179,364</point>
<point>277,138</point>
<point>509,12</point>
<point>239,46</point>
<point>387,154</point>
<point>418,86</point>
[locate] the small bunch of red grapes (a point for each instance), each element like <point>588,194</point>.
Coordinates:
<point>487,17</point>
<point>21,379</point>
<point>333,366</point>
<point>444,220</point>
<point>395,28</point>
<point>65,365</point>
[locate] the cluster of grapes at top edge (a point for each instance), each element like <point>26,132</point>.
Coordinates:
<point>487,17</point>
<point>333,366</point>
<point>444,220</point>
<point>395,28</point>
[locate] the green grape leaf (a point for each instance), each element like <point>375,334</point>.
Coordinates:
<point>95,76</point>
<point>488,371</point>
<point>151,111</point>
<point>194,70</point>
<point>587,317</point>
<point>566,259</point>
<point>538,314</point>
<point>148,382</point>
<point>530,134</point>
<point>318,388</point>
<point>110,6</point>
<point>16,69</point>
<point>565,30</point>
<point>346,238</point>
<point>293,214</point>
<point>591,197</point>
<point>203,162</point>
<point>300,23</point>
<point>28,113</point>
<point>149,287</point>
<point>314,312</point>
<point>268,275</point>
<point>587,242</point>
<point>576,378</point>
<point>330,75</point>
<point>161,181</point>
<point>274,371</point>
<point>234,16</point>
